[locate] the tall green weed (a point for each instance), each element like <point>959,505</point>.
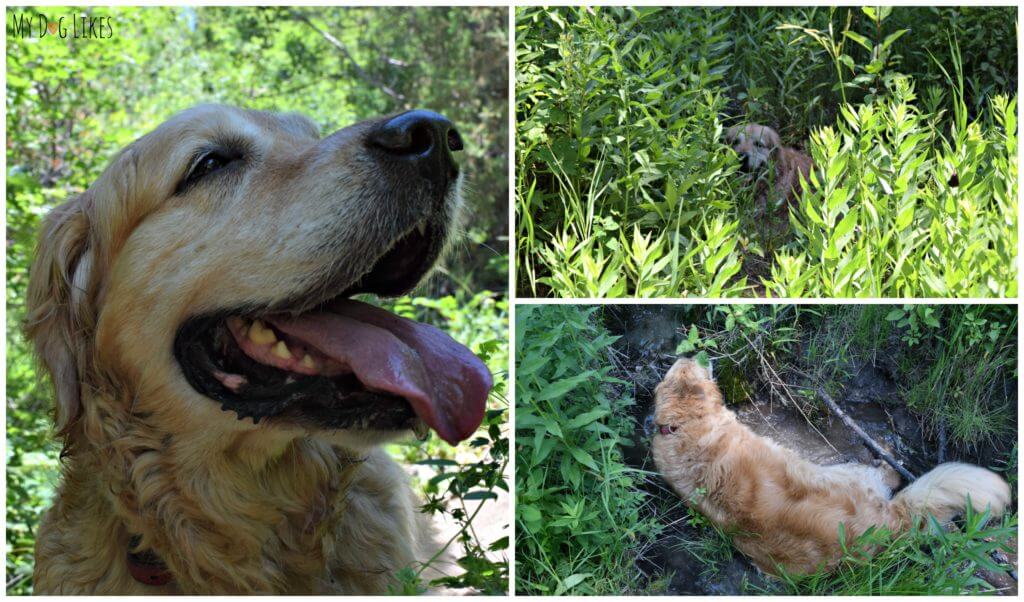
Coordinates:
<point>580,515</point>
<point>624,187</point>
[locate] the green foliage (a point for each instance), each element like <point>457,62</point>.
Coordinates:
<point>579,518</point>
<point>973,362</point>
<point>712,546</point>
<point>624,189</point>
<point>885,218</point>
<point>926,560</point>
<point>72,103</point>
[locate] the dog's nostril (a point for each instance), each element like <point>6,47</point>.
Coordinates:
<point>417,134</point>
<point>420,141</point>
<point>454,140</point>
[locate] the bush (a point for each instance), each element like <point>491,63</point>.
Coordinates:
<point>926,560</point>
<point>624,189</point>
<point>579,519</point>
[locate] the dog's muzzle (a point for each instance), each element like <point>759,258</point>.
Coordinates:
<point>747,164</point>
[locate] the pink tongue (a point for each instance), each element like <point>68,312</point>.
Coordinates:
<point>444,382</point>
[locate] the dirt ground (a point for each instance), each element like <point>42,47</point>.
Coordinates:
<point>650,334</point>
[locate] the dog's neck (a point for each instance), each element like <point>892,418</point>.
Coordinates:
<point>260,513</point>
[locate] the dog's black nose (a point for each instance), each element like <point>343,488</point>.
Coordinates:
<point>746,165</point>
<point>424,138</point>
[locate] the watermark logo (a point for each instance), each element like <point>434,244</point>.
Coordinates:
<point>78,26</point>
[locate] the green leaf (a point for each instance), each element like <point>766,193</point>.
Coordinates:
<point>583,458</point>
<point>560,388</point>
<point>856,37</point>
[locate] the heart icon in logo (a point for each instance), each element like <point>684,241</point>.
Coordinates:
<point>51,27</point>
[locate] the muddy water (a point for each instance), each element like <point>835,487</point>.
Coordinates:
<point>676,564</point>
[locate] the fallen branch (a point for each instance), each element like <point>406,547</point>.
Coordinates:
<point>875,447</point>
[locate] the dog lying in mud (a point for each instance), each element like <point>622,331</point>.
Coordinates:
<point>760,147</point>
<point>220,398</point>
<point>783,511</point>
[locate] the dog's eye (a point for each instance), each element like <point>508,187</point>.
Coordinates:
<point>207,163</point>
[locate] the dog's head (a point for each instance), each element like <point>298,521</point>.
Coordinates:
<point>754,143</point>
<point>203,281</point>
<point>687,392</point>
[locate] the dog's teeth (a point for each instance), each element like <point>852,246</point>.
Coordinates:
<point>281,351</point>
<point>421,430</point>
<point>260,334</point>
<point>422,228</point>
<point>308,362</point>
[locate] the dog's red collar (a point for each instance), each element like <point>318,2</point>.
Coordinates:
<point>666,429</point>
<point>146,567</point>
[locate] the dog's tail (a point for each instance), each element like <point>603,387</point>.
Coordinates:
<point>944,492</point>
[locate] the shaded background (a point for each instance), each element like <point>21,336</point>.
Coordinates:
<point>72,103</point>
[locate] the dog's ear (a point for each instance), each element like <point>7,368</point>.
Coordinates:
<point>59,314</point>
<point>770,139</point>
<point>733,133</point>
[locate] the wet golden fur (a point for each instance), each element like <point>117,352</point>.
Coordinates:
<point>228,505</point>
<point>780,509</point>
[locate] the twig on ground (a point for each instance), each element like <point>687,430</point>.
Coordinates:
<point>942,442</point>
<point>875,447</point>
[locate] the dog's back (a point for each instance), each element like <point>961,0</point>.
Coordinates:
<point>789,168</point>
<point>778,508</point>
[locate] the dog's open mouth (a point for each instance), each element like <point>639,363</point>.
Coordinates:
<point>343,364</point>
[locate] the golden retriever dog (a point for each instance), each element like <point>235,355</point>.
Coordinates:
<point>220,398</point>
<point>760,148</point>
<point>781,510</point>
